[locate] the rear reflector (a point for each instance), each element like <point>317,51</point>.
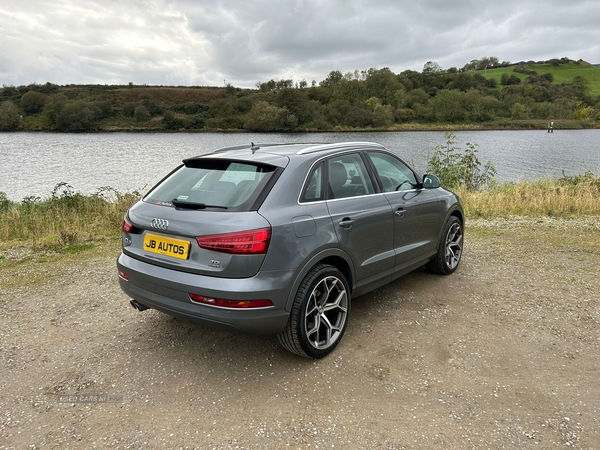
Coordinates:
<point>245,242</point>
<point>124,275</point>
<point>245,304</point>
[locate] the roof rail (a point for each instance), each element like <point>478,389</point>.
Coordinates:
<point>338,145</point>
<point>252,147</point>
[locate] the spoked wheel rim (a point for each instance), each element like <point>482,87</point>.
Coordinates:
<point>326,313</point>
<point>454,244</point>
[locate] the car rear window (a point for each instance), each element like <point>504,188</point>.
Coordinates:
<point>214,183</point>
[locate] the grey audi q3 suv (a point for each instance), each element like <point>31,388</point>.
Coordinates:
<point>278,238</point>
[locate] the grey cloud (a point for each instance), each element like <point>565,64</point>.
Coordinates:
<point>206,42</point>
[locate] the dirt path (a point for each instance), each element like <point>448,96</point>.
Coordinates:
<point>505,353</point>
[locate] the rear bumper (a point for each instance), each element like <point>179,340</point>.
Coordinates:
<point>168,291</point>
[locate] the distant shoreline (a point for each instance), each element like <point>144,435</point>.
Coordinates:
<point>511,125</point>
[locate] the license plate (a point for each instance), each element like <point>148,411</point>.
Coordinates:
<point>176,248</point>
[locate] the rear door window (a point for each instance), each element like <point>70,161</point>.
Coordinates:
<point>348,177</point>
<point>214,183</point>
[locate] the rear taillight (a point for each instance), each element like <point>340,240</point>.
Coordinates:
<point>223,303</point>
<point>245,242</point>
<point>126,226</point>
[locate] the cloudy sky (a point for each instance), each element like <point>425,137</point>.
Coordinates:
<point>212,42</point>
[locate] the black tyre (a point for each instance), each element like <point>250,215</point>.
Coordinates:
<point>319,315</point>
<point>450,248</point>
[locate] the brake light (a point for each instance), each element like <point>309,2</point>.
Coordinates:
<point>245,242</point>
<point>126,226</point>
<point>245,304</point>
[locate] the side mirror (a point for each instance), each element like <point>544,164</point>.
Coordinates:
<point>431,182</point>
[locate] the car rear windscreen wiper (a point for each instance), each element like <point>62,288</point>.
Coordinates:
<point>194,205</point>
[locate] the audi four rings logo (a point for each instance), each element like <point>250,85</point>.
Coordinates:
<point>161,224</point>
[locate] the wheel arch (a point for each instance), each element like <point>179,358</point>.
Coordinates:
<point>459,214</point>
<point>333,257</point>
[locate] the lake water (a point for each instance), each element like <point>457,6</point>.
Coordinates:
<point>31,164</point>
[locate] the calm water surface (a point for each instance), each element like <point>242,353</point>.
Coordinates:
<point>31,164</point>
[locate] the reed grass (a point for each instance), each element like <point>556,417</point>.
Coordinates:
<point>566,197</point>
<point>70,221</point>
<point>65,221</point>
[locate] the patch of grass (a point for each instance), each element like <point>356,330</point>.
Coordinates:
<point>566,197</point>
<point>67,221</point>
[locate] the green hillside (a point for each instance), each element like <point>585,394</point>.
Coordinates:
<point>562,74</point>
<point>513,96</point>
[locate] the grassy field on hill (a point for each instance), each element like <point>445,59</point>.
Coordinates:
<point>563,74</point>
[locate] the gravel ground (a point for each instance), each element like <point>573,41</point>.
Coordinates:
<point>505,353</point>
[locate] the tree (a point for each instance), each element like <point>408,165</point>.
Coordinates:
<point>383,116</point>
<point>415,96</point>
<point>383,84</point>
<point>77,115</point>
<point>297,103</point>
<point>480,107</point>
<point>33,102</point>
<point>581,86</point>
<point>507,80</point>
<point>584,113</point>
<point>266,117</point>
<point>10,119</point>
<point>341,112</point>
<point>432,67</point>
<point>448,105</point>
<point>170,121</point>
<point>462,81</point>
<point>334,78</point>
<point>518,112</point>
<point>371,103</point>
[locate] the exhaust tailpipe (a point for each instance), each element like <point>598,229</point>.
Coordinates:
<point>137,305</point>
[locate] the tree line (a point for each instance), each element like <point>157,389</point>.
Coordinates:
<point>373,98</point>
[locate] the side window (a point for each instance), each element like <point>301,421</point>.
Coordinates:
<point>313,190</point>
<point>348,177</point>
<point>394,174</point>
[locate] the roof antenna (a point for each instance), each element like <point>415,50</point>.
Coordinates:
<point>254,147</point>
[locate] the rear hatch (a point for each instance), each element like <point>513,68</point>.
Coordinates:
<point>203,218</point>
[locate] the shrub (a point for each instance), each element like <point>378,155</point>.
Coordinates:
<point>264,117</point>
<point>171,122</point>
<point>456,167</point>
<point>10,119</point>
<point>141,114</point>
<point>383,116</point>
<point>128,109</point>
<point>78,116</point>
<point>4,201</point>
<point>518,112</point>
<point>33,102</point>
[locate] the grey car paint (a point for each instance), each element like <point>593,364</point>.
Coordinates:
<point>370,239</point>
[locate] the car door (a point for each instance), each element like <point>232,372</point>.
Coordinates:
<point>362,218</point>
<point>416,210</point>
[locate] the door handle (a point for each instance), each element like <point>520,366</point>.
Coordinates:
<point>400,212</point>
<point>346,223</point>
